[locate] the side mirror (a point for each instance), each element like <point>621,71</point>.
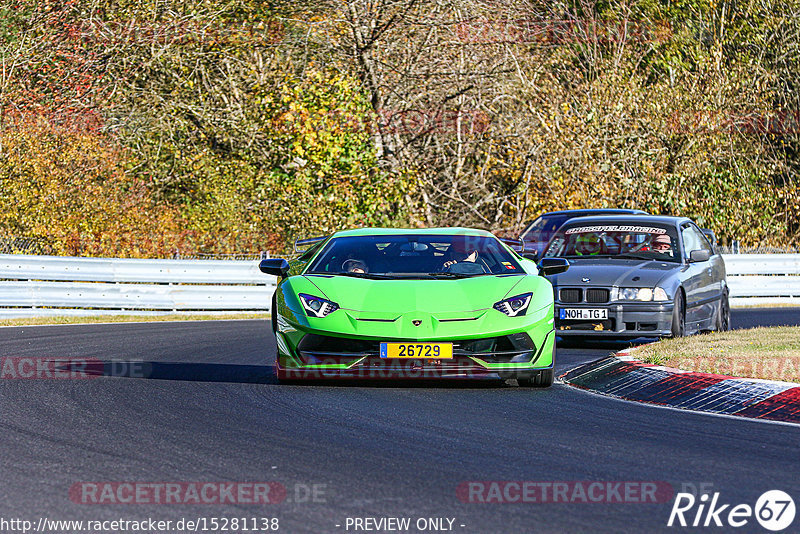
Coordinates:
<point>696,256</point>
<point>274,266</point>
<point>550,266</point>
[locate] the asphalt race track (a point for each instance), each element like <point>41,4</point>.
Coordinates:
<point>197,402</point>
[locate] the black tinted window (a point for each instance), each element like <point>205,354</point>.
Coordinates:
<point>415,255</point>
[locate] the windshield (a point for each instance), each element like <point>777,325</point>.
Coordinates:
<point>415,256</point>
<point>619,240</point>
<point>543,228</point>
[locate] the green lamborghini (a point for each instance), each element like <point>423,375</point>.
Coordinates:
<point>401,303</point>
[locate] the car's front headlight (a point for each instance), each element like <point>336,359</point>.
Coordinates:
<point>644,294</point>
<point>514,306</point>
<point>317,307</point>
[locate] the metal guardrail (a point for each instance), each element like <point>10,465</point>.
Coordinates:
<point>722,249</point>
<point>55,285</point>
<point>61,268</point>
<point>756,279</point>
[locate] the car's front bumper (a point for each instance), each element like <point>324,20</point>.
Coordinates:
<point>296,361</point>
<point>625,319</point>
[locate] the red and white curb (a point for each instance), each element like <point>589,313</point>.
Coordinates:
<point>622,376</point>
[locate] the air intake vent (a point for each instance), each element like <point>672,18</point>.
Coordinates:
<point>596,295</point>
<point>570,295</point>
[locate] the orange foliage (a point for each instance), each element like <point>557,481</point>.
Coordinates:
<point>70,188</point>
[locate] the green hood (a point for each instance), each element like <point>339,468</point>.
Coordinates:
<point>443,309</point>
<point>403,296</point>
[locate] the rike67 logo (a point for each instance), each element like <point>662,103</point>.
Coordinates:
<point>774,510</point>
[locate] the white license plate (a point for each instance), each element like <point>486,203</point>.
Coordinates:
<point>588,314</point>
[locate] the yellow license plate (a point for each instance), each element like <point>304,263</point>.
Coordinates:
<point>433,351</point>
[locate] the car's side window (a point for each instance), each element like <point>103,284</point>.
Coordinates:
<point>702,241</point>
<point>693,239</point>
<point>689,240</point>
<point>307,255</point>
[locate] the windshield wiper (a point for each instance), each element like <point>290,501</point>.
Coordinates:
<point>637,255</point>
<point>373,276</point>
<point>582,256</point>
<point>448,274</point>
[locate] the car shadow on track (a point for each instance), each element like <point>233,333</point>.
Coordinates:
<point>185,371</point>
<point>258,374</point>
<point>438,383</point>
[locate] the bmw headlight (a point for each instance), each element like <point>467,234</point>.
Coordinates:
<point>643,294</point>
<point>514,306</point>
<point>317,307</point>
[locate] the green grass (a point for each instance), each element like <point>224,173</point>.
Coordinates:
<point>771,353</point>
<point>764,305</point>
<point>35,321</point>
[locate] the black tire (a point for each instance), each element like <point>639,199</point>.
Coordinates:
<point>273,314</point>
<point>542,379</point>
<point>679,316</point>
<point>724,315</point>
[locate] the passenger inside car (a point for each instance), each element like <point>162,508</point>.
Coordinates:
<point>355,266</point>
<point>662,244</point>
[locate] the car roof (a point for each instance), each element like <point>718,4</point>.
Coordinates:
<point>577,212</point>
<point>416,231</point>
<point>638,219</point>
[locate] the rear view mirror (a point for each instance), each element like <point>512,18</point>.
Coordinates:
<point>696,256</point>
<point>530,255</point>
<point>550,266</point>
<point>274,266</point>
<point>515,244</point>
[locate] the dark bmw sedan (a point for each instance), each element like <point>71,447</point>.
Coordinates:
<point>637,276</point>
<point>538,233</point>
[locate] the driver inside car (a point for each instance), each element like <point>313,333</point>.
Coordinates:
<point>588,244</point>
<point>662,244</point>
<point>459,252</point>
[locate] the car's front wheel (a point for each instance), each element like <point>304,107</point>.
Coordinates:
<point>542,379</point>
<point>679,316</point>
<point>287,378</point>
<point>724,314</point>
